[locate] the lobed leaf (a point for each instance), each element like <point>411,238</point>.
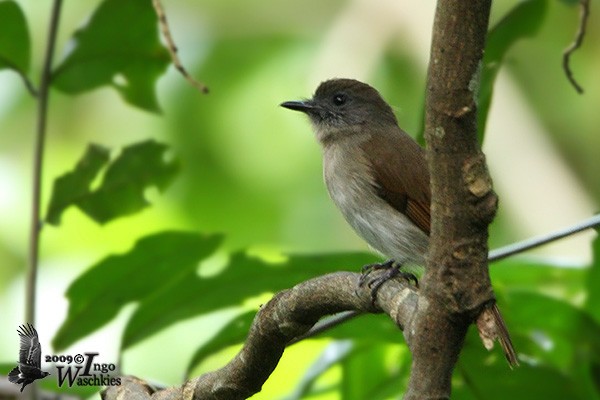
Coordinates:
<point>71,187</point>
<point>121,191</point>
<point>118,47</point>
<point>244,277</point>
<point>156,261</point>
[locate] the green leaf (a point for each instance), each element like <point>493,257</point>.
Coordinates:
<point>367,328</point>
<point>550,330</point>
<point>119,47</point>
<point>517,274</point>
<point>72,186</point>
<point>524,20</point>
<point>244,277</point>
<point>359,382</point>
<point>335,353</point>
<point>592,304</point>
<point>121,191</point>
<point>479,375</point>
<point>231,334</point>
<point>155,262</point>
<point>15,45</point>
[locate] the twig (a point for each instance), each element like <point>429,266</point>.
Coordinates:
<point>42,115</point>
<point>579,36</point>
<point>166,31</point>
<point>28,84</point>
<point>538,241</point>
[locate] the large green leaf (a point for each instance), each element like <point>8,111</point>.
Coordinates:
<point>231,334</point>
<point>121,191</point>
<point>522,21</point>
<point>15,45</point>
<point>593,283</point>
<point>244,277</point>
<point>73,186</point>
<point>517,274</point>
<point>120,47</point>
<point>335,353</point>
<point>156,261</point>
<point>551,330</point>
<point>477,377</point>
<point>368,328</point>
<point>359,382</point>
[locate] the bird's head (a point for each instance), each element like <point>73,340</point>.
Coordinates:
<point>342,106</point>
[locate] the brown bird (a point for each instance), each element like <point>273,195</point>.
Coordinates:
<point>376,175</point>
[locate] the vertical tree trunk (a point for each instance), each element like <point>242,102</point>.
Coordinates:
<point>456,285</point>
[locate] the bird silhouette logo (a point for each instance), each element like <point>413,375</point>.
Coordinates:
<point>30,358</point>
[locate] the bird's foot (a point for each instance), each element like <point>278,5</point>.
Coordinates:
<point>392,270</point>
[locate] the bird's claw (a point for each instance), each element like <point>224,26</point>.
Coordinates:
<point>392,270</point>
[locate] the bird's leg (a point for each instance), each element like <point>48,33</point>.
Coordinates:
<point>392,270</point>
<point>367,269</point>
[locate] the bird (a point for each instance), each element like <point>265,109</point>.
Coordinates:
<point>375,173</point>
<point>377,176</point>
<point>30,358</point>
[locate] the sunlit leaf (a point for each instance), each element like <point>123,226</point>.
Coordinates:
<point>368,327</point>
<point>479,374</point>
<point>518,274</point>
<point>231,334</point>
<point>118,47</point>
<point>522,21</point>
<point>244,277</point>
<point>121,191</point>
<point>73,186</point>
<point>335,353</point>
<point>155,262</point>
<point>359,382</point>
<point>15,45</point>
<point>550,330</point>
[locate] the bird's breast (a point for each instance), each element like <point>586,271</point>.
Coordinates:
<point>351,185</point>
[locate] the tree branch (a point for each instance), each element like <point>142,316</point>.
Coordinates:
<point>289,314</point>
<point>456,286</point>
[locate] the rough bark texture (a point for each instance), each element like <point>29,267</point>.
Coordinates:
<point>289,314</point>
<point>456,286</point>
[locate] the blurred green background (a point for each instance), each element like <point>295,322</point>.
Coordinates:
<point>252,170</point>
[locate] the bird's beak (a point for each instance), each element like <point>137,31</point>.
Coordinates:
<point>305,106</point>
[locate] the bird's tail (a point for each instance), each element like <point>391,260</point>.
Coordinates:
<point>491,326</point>
<point>13,376</point>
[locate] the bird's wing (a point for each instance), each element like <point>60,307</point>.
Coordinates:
<point>401,174</point>
<point>28,370</point>
<point>30,350</point>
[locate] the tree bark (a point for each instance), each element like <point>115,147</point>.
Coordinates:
<point>456,286</point>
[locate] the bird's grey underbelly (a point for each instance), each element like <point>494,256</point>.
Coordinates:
<point>384,228</point>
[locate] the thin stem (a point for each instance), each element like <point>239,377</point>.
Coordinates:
<point>531,243</point>
<point>583,17</point>
<point>28,84</point>
<point>40,135</point>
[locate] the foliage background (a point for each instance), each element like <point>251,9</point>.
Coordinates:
<point>251,171</point>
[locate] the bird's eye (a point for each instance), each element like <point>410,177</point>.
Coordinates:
<point>339,99</point>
